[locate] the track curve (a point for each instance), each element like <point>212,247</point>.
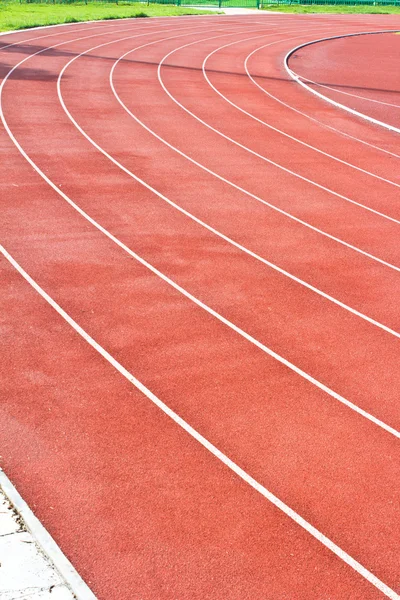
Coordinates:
<point>359,73</point>
<point>230,245</point>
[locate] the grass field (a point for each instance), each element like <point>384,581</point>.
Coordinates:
<point>333,8</point>
<point>21,16</point>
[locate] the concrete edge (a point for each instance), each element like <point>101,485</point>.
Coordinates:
<point>46,543</point>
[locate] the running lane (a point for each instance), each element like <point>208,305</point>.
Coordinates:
<point>360,72</point>
<point>143,508</point>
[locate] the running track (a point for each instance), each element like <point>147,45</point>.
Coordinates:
<point>200,309</point>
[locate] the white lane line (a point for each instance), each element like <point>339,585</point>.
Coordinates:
<point>42,536</point>
<point>187,294</point>
<point>264,158</point>
<point>195,300</point>
<point>291,137</point>
<point>185,212</point>
<point>328,543</point>
<point>333,89</point>
<point>307,116</point>
<point>297,78</point>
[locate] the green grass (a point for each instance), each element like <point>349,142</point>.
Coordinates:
<point>333,8</point>
<point>21,16</point>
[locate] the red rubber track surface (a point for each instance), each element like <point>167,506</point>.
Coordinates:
<point>353,75</point>
<point>242,170</point>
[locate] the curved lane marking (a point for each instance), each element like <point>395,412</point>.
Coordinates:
<point>333,89</point>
